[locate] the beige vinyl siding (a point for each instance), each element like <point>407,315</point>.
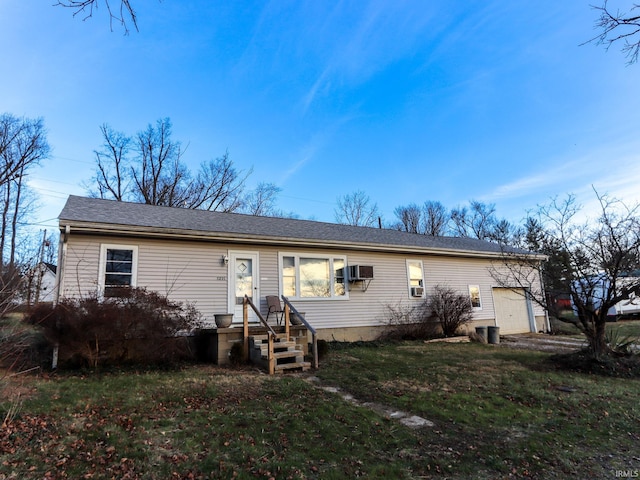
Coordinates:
<point>193,271</point>
<point>185,271</point>
<point>459,273</point>
<point>80,268</point>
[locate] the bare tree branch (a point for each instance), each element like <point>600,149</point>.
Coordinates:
<point>262,200</point>
<point>618,27</point>
<point>122,14</point>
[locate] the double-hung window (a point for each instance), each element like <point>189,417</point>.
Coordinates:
<point>474,296</point>
<point>415,275</point>
<point>118,266</point>
<point>313,276</point>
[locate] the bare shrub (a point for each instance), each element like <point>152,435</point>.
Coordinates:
<point>409,322</point>
<point>451,309</point>
<point>22,348</point>
<point>141,327</point>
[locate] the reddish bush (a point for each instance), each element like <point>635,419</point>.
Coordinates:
<point>142,327</point>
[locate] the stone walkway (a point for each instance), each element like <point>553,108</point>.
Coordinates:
<point>406,419</point>
<point>530,341</point>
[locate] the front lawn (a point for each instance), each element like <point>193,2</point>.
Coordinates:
<point>498,413</point>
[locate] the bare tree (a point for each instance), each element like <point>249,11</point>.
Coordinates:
<point>356,209</point>
<point>459,222</point>
<point>435,218</point>
<point>122,14</point>
<point>262,200</point>
<point>218,186</point>
<point>23,145</point>
<point>409,218</point>
<point>482,220</point>
<point>593,265</point>
<point>112,164</point>
<point>149,169</point>
<point>619,27</point>
<point>477,221</point>
<point>160,176</point>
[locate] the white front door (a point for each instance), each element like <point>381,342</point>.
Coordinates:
<point>243,280</point>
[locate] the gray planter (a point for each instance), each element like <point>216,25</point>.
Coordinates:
<point>295,320</point>
<point>223,320</point>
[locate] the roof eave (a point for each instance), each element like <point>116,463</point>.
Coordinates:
<point>233,237</point>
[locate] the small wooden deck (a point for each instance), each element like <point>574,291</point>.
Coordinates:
<point>214,344</point>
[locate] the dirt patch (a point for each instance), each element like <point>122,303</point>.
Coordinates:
<point>15,388</point>
<point>571,354</point>
<point>622,366</point>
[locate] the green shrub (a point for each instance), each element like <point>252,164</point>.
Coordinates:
<point>621,343</point>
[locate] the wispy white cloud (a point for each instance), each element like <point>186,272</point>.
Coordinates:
<point>309,151</point>
<point>612,170</point>
<point>382,32</point>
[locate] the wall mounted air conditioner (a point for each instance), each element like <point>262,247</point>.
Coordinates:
<point>417,291</point>
<point>360,272</point>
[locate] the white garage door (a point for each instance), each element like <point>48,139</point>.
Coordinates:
<point>512,312</point>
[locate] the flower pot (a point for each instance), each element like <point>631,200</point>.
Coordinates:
<point>294,318</point>
<point>223,320</point>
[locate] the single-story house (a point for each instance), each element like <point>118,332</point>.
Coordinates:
<point>343,277</point>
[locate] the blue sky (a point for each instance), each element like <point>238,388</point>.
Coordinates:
<point>407,101</point>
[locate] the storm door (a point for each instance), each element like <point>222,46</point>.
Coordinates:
<point>243,280</point>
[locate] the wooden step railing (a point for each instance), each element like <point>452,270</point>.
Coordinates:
<point>271,334</point>
<point>288,308</point>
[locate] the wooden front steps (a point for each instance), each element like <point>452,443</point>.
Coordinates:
<point>287,355</point>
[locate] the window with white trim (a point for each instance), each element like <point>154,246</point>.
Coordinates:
<point>118,268</point>
<point>312,276</point>
<point>474,296</point>
<point>415,276</point>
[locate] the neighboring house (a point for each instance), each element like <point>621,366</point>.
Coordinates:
<point>40,284</point>
<point>342,277</point>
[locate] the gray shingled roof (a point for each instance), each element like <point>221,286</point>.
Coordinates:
<point>92,214</point>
